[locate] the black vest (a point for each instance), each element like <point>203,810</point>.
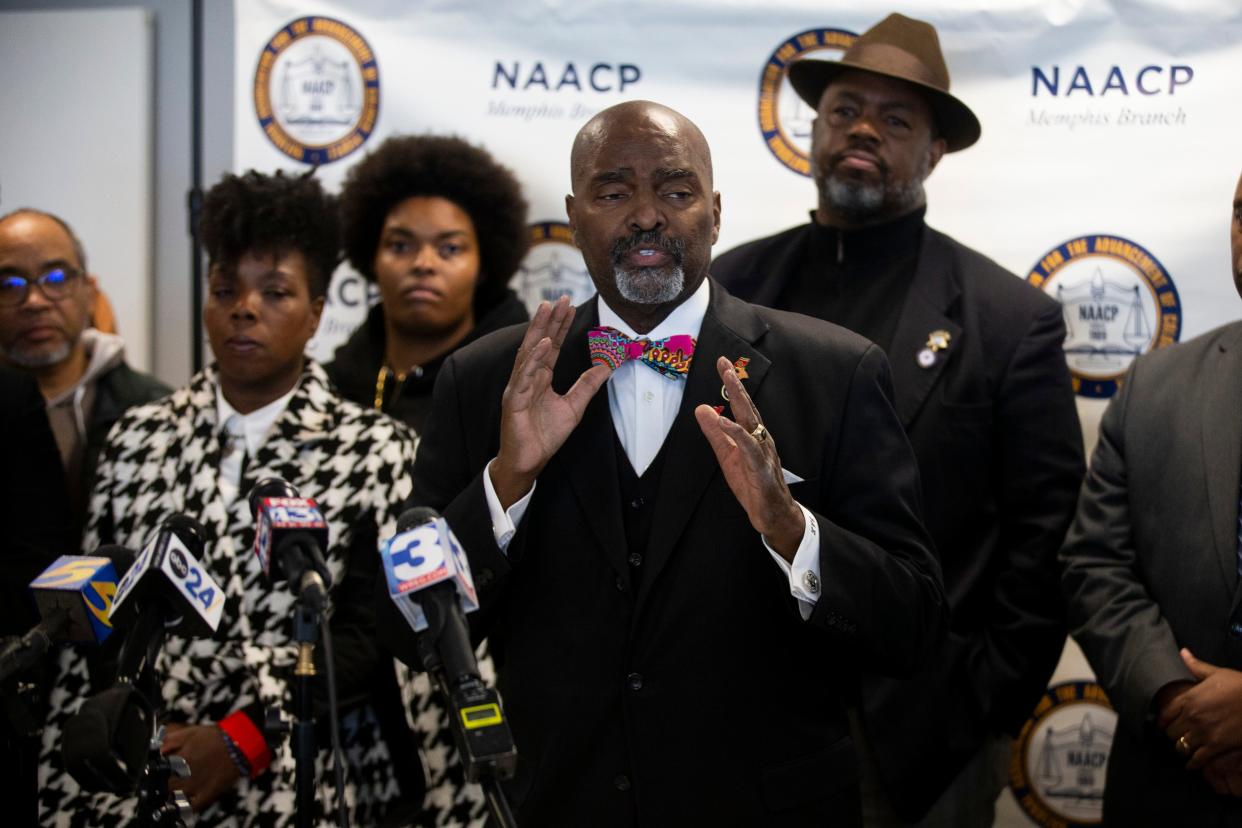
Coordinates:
<point>638,496</point>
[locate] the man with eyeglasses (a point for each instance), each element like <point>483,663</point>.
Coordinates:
<point>45,328</point>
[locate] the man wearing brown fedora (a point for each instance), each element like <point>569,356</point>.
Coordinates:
<point>982,388</point>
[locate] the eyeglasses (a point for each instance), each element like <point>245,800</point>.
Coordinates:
<point>57,283</point>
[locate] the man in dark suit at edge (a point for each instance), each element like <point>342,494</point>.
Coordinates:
<point>677,613</point>
<point>983,392</point>
<point>1152,567</point>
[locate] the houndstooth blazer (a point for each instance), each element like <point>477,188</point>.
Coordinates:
<point>164,458</point>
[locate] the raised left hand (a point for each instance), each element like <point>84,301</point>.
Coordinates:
<point>1208,715</point>
<point>752,468</point>
<point>212,772</point>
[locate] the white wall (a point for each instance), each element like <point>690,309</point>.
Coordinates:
<point>166,333</point>
<point>83,150</point>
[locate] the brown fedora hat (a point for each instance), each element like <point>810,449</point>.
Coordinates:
<point>903,48</point>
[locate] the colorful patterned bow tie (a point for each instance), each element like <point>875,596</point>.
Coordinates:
<point>671,356</point>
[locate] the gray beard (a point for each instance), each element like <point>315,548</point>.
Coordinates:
<point>37,361</point>
<point>861,201</point>
<point>650,285</point>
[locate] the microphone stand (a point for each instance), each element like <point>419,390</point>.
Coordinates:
<point>158,807</point>
<point>305,633</point>
<point>497,804</point>
<point>486,760</point>
<point>310,607</point>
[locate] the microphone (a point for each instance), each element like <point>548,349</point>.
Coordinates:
<point>429,580</point>
<point>75,597</point>
<point>169,587</point>
<point>424,561</point>
<point>289,539</point>
<point>106,743</point>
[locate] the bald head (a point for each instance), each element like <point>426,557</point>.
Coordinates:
<point>637,121</point>
<point>38,215</point>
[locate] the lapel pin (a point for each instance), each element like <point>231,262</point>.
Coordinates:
<point>739,367</point>
<point>936,341</point>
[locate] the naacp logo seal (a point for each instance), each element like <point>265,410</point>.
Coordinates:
<point>553,268</point>
<point>316,90</point>
<point>1119,302</point>
<point>784,118</point>
<point>1057,770</point>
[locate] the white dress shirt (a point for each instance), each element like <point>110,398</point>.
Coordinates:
<point>638,394</point>
<point>246,434</point>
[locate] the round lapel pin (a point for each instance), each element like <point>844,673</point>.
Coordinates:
<point>936,341</point>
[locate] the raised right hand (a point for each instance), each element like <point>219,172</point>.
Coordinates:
<point>535,421</point>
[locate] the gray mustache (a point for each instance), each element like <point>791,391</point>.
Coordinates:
<point>650,239</point>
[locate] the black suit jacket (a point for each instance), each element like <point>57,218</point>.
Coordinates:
<point>703,698</point>
<point>1151,564</point>
<point>35,515</point>
<point>33,509</point>
<point>994,426</point>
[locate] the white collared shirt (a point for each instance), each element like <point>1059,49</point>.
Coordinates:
<point>644,403</point>
<point>637,394</point>
<point>246,434</point>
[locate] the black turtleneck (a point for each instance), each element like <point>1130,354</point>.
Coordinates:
<point>858,278</point>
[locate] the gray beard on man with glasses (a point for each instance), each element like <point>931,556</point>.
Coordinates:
<point>39,360</point>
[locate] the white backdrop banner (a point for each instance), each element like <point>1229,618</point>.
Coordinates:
<point>1104,175</point>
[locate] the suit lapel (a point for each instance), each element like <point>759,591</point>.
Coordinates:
<point>933,291</point>
<point>198,440</point>
<point>729,329</point>
<point>589,456</point>
<point>1222,449</point>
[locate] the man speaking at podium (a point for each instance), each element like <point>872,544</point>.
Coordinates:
<point>680,577</point>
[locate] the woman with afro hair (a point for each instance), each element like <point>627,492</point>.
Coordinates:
<point>440,227</point>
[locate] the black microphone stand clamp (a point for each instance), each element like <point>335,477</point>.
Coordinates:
<point>157,807</point>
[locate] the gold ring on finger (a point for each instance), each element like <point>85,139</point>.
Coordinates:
<point>1183,744</point>
<point>760,434</point>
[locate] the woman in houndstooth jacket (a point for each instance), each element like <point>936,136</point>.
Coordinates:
<point>263,409</point>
